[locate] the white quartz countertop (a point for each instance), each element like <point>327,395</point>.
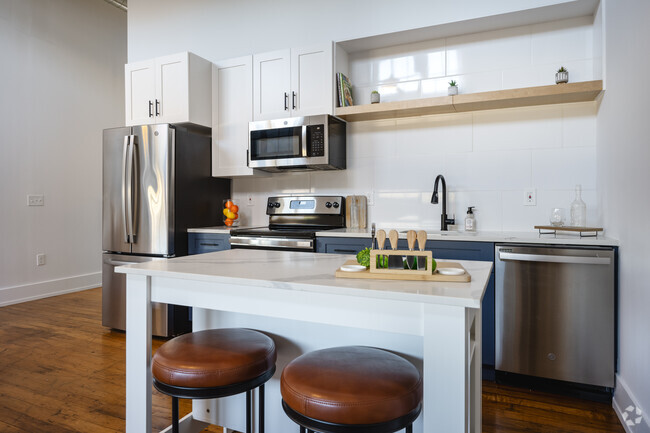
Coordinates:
<point>215,229</point>
<point>312,272</point>
<point>530,237</point>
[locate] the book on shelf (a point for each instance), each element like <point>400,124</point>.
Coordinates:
<point>344,88</point>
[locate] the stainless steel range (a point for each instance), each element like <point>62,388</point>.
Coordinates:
<point>293,223</point>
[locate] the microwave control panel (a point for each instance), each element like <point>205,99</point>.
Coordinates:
<point>316,140</point>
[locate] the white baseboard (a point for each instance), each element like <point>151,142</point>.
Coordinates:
<point>626,406</point>
<point>44,289</point>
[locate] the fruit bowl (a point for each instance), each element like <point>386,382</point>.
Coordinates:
<point>230,213</point>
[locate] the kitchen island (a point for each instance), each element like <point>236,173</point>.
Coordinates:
<point>296,299</point>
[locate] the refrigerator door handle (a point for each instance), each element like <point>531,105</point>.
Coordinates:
<point>125,194</point>
<point>127,186</point>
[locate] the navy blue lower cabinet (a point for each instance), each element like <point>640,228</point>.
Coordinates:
<point>200,243</point>
<point>341,245</point>
<point>484,251</point>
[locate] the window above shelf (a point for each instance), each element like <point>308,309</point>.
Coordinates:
<point>511,98</point>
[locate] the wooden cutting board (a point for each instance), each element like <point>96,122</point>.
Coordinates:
<point>464,278</point>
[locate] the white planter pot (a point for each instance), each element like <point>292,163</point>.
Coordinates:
<point>374,98</point>
<point>452,90</point>
<point>561,77</point>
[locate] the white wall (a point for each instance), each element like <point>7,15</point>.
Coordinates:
<point>61,83</point>
<point>221,29</point>
<point>624,177</point>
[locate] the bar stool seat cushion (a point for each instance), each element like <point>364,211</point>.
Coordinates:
<point>351,385</point>
<point>214,358</point>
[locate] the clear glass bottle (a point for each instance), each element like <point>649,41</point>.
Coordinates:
<point>578,210</point>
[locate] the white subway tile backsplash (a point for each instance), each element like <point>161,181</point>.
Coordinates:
<point>435,135</point>
<point>561,41</point>
<point>563,168</point>
<point>518,128</point>
<point>488,51</point>
<point>488,158</point>
<point>579,124</point>
<point>370,139</point>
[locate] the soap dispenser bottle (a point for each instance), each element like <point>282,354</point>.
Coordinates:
<point>470,221</point>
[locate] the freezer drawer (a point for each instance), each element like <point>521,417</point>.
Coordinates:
<point>114,297</point>
<point>555,313</point>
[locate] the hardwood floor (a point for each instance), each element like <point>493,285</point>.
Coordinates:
<point>61,371</point>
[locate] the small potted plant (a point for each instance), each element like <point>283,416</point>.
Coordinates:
<point>453,88</point>
<point>374,97</point>
<point>561,76</point>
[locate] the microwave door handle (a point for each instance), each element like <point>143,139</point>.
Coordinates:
<point>303,140</point>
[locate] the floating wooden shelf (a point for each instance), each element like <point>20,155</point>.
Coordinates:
<point>524,97</point>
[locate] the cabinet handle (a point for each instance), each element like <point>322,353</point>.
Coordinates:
<point>294,100</point>
<point>204,244</point>
<point>157,107</point>
<point>286,101</point>
<point>150,109</point>
<point>339,251</point>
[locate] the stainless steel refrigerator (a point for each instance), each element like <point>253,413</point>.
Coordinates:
<point>156,183</point>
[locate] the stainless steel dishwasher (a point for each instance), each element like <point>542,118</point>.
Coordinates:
<point>555,312</point>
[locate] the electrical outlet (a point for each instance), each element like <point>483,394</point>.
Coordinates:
<point>35,200</point>
<point>40,259</point>
<point>249,200</point>
<point>530,197</point>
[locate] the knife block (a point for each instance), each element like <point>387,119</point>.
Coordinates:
<point>401,253</point>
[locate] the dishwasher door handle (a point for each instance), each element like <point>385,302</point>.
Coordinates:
<point>582,260</point>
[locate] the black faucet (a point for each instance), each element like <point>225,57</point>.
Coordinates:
<point>444,221</point>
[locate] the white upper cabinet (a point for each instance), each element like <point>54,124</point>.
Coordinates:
<point>169,89</point>
<point>296,82</point>
<point>232,109</point>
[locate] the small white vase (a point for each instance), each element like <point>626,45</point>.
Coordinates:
<point>452,90</point>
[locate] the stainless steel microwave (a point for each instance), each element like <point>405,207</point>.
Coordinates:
<point>297,144</point>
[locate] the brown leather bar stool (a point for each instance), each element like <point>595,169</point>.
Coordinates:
<point>215,363</point>
<point>352,389</point>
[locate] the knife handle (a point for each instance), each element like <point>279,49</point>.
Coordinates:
<point>410,239</point>
<point>393,236</point>
<point>422,239</point>
<point>381,239</point>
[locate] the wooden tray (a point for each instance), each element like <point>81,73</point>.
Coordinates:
<point>464,278</point>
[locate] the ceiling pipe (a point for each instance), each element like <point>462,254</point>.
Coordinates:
<point>121,4</point>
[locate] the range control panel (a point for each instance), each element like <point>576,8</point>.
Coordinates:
<point>305,205</point>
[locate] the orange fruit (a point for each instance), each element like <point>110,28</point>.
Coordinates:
<point>229,204</point>
<point>228,222</point>
<point>235,216</point>
<point>234,208</point>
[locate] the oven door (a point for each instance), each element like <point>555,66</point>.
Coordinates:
<point>273,243</point>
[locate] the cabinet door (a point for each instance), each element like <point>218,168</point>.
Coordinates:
<point>312,80</point>
<point>140,92</point>
<point>271,85</point>
<point>172,89</point>
<point>232,109</point>
<point>335,245</point>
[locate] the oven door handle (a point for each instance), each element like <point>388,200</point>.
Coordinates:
<point>257,242</point>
